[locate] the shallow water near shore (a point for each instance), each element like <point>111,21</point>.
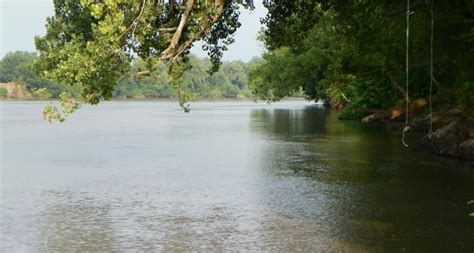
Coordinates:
<point>228,176</point>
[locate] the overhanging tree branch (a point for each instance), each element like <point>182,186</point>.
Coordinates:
<point>173,50</point>
<point>177,47</point>
<point>135,21</point>
<point>394,82</point>
<point>170,51</point>
<point>219,5</point>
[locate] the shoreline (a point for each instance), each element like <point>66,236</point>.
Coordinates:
<point>452,132</point>
<point>155,100</point>
<point>452,136</point>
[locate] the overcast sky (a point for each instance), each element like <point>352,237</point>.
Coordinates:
<point>21,20</point>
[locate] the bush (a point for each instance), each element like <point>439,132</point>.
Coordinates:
<point>137,93</point>
<point>3,92</point>
<point>351,113</point>
<point>42,93</point>
<point>215,93</point>
<point>245,93</point>
<point>230,91</point>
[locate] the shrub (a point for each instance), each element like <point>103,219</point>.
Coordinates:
<point>42,93</point>
<point>3,92</point>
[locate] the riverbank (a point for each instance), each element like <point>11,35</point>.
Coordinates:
<point>13,91</point>
<point>161,99</point>
<point>452,133</point>
<point>452,126</point>
<point>19,92</point>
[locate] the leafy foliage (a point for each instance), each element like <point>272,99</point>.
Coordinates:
<point>42,93</point>
<point>67,105</point>
<point>93,43</point>
<point>17,67</point>
<point>330,48</point>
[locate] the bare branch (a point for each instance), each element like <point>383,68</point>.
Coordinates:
<point>135,21</point>
<point>345,98</point>
<point>167,53</point>
<point>175,52</point>
<point>395,83</point>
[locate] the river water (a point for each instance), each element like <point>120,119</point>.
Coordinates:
<point>229,176</point>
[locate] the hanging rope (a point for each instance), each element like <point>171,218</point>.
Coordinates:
<point>431,71</point>
<point>407,127</point>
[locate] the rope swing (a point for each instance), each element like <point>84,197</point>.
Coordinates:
<point>407,127</point>
<point>430,131</point>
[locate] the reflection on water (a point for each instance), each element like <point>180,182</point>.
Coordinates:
<point>228,176</point>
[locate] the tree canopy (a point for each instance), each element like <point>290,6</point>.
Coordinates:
<point>332,50</point>
<point>92,43</point>
<point>355,51</point>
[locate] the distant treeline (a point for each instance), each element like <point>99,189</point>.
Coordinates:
<point>230,81</point>
<point>17,67</point>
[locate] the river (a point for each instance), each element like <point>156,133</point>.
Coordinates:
<point>228,176</point>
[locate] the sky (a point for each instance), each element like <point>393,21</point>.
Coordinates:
<point>21,20</point>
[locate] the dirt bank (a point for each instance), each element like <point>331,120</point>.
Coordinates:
<point>452,135</point>
<point>16,91</point>
<point>452,132</point>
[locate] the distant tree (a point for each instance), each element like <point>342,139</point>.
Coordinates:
<point>229,81</point>
<point>42,93</point>
<point>17,67</point>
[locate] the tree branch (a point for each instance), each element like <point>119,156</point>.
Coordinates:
<point>219,5</point>
<point>395,83</point>
<point>345,98</point>
<point>169,52</point>
<point>135,21</point>
<point>175,48</point>
<point>175,52</point>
